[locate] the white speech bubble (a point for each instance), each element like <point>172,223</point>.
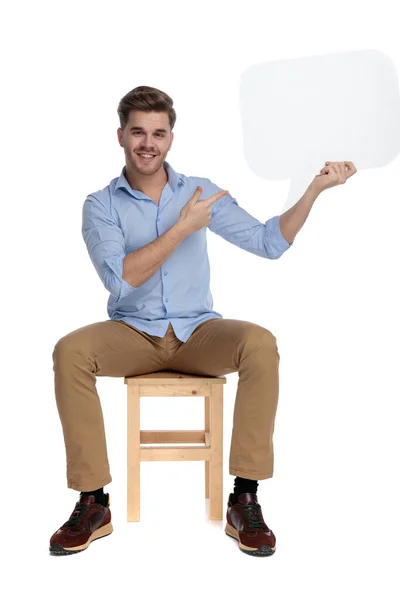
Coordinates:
<point>297,114</point>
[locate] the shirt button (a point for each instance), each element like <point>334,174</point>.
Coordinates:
<point>158,219</point>
<point>165,272</point>
<point>166,299</point>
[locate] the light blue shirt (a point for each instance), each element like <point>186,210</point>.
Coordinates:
<point>117,220</point>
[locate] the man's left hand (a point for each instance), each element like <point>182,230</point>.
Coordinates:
<point>333,173</point>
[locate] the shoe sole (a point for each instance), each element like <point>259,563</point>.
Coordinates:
<point>263,550</point>
<point>99,533</point>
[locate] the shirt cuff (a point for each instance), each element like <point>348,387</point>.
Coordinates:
<point>123,288</point>
<point>281,243</point>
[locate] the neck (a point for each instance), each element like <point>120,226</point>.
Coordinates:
<point>146,183</point>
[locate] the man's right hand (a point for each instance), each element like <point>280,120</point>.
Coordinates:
<point>196,214</point>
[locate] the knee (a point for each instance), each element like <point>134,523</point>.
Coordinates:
<point>261,338</point>
<point>65,346</point>
<point>267,339</point>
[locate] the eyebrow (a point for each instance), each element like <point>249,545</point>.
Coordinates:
<point>135,128</point>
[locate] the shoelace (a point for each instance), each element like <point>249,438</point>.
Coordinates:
<point>252,514</point>
<point>77,514</point>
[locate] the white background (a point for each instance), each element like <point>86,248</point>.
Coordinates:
<point>331,300</point>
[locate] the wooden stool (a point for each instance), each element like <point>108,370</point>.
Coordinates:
<point>170,383</point>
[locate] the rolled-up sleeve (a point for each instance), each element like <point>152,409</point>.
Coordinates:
<point>237,226</point>
<point>106,246</point>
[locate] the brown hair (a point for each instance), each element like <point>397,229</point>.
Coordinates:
<point>147,99</point>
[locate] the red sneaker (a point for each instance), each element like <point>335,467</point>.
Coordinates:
<point>88,522</point>
<point>246,524</point>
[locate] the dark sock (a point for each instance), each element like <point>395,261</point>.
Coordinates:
<point>101,497</point>
<point>242,485</point>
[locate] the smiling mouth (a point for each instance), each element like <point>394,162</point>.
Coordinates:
<point>144,159</point>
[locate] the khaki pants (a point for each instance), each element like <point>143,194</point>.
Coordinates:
<point>216,347</point>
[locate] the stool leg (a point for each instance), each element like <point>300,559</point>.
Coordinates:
<point>216,458</point>
<point>207,429</point>
<point>133,457</point>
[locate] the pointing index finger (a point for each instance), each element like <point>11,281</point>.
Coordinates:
<point>216,197</point>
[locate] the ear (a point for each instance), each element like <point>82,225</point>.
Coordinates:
<point>119,135</point>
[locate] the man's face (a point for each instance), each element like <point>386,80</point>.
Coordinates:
<point>146,133</point>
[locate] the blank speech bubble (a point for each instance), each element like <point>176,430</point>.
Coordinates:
<point>299,113</point>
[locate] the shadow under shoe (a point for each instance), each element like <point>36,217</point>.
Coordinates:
<point>89,521</point>
<point>246,524</point>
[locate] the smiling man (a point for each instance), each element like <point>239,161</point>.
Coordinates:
<point>146,236</point>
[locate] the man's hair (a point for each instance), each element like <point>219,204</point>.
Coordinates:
<point>147,99</point>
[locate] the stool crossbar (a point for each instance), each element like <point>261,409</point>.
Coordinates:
<point>210,440</point>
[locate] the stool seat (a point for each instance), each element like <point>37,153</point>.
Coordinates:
<point>210,440</point>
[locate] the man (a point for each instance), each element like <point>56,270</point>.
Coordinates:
<point>146,236</point>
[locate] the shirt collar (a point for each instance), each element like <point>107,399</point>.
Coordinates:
<point>174,179</point>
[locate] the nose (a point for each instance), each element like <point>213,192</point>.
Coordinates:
<point>148,144</point>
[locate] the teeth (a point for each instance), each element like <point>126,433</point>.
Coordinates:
<point>146,155</point>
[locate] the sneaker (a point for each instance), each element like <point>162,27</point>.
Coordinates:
<point>88,522</point>
<point>246,524</point>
